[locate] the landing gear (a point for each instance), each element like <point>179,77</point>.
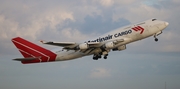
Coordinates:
<point>156,39</point>
<point>105,56</point>
<point>105,53</point>
<point>97,56</point>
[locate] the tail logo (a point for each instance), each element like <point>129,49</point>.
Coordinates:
<point>138,28</point>
<point>29,49</point>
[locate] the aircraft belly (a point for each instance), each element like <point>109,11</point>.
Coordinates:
<point>127,41</point>
<point>69,55</point>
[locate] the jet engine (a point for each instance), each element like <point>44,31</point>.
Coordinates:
<point>109,45</point>
<point>83,46</point>
<point>123,47</point>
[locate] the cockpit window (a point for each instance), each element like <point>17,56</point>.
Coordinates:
<point>153,19</point>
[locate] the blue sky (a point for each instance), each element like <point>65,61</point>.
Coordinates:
<point>143,65</point>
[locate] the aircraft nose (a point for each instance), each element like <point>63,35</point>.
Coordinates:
<point>166,23</point>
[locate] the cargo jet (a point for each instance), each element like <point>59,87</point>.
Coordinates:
<point>99,47</point>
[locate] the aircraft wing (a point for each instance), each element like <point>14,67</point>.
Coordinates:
<point>69,45</point>
<point>61,44</point>
<point>74,45</point>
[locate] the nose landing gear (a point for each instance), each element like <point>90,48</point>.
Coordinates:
<point>156,39</point>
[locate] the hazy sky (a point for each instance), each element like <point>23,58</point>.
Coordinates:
<point>145,64</point>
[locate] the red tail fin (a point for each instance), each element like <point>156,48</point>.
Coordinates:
<point>28,49</point>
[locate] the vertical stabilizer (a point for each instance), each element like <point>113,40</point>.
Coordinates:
<point>31,50</point>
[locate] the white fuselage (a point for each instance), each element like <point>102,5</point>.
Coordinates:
<point>127,33</point>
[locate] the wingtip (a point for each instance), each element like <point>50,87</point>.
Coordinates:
<point>42,41</point>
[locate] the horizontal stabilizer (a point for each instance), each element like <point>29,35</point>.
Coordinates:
<point>26,59</point>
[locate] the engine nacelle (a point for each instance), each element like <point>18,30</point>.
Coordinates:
<point>83,46</point>
<point>123,47</point>
<point>109,45</point>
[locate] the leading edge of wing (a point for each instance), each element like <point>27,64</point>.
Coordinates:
<point>62,44</point>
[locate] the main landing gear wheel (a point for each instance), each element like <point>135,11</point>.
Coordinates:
<point>105,56</point>
<point>96,57</point>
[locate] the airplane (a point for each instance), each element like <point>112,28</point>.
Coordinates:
<point>115,40</point>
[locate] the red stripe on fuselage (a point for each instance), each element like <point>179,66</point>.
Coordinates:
<point>142,29</point>
<point>138,28</point>
<point>135,29</point>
